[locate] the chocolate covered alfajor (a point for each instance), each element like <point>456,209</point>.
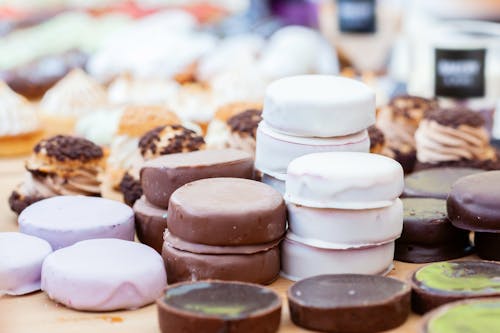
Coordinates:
<point>224,228</point>
<point>60,165</point>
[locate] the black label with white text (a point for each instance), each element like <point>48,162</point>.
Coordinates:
<point>459,73</point>
<point>356,16</point>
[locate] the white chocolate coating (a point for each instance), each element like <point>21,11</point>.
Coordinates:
<point>65,220</point>
<point>344,180</point>
<point>342,228</point>
<point>319,105</point>
<point>274,150</point>
<point>21,258</point>
<point>278,182</point>
<point>104,275</point>
<point>300,261</point>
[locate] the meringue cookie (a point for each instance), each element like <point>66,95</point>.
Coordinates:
<point>21,258</point>
<point>104,275</point>
<point>17,115</point>
<point>126,90</point>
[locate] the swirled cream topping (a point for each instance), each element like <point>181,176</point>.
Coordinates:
<point>17,115</point>
<point>75,95</point>
<point>438,143</point>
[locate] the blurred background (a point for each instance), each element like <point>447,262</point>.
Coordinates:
<point>195,56</point>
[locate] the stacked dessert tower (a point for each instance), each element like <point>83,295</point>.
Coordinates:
<point>343,214</point>
<point>310,114</point>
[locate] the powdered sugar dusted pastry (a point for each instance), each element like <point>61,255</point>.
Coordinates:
<point>455,137</point>
<point>65,220</point>
<point>299,260</point>
<point>276,150</point>
<point>61,165</point>
<point>345,180</point>
<point>19,123</point>
<point>319,105</point>
<point>21,258</point>
<point>97,275</point>
<point>344,228</point>
<point>75,95</point>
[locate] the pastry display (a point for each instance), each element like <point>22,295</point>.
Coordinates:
<point>21,257</point>
<point>77,94</point>
<point>161,176</point>
<point>476,315</point>
<point>435,182</point>
<point>65,220</point>
<point>399,121</point>
<point>455,138</point>
<point>60,165</point>
<point>215,306</point>
<point>428,234</point>
<point>226,235</point>
<point>347,194</point>
<point>96,275</point>
<point>150,223</point>
<point>20,126</point>
<point>349,303</point>
<point>440,283</point>
<point>473,205</point>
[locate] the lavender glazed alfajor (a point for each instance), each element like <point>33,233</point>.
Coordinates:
<point>344,214</point>
<point>224,228</point>
<point>61,165</point>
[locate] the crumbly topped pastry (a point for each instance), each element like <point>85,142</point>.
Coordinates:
<point>131,189</point>
<point>229,110</point>
<point>64,148</point>
<point>456,117</point>
<point>137,120</point>
<point>245,123</point>
<point>409,106</point>
<point>169,139</point>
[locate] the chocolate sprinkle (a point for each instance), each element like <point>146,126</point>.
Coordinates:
<point>456,117</point>
<point>64,148</point>
<point>376,136</point>
<point>245,122</point>
<point>183,140</point>
<point>131,189</point>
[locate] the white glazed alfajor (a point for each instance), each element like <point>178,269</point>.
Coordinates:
<point>300,260</point>
<point>344,180</point>
<point>275,150</point>
<point>21,258</point>
<point>65,220</point>
<point>342,228</point>
<point>104,275</point>
<point>319,106</point>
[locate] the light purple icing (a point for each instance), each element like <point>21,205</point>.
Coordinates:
<point>65,220</point>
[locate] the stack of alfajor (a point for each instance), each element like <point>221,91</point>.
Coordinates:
<point>311,114</point>
<point>343,214</point>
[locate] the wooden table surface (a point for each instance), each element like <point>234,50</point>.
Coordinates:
<point>36,313</point>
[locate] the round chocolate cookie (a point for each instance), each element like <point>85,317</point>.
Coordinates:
<point>428,235</point>
<point>227,211</point>
<point>473,203</point>
<point>186,261</point>
<point>216,306</point>
<point>434,183</point>
<point>444,282</point>
<point>150,223</point>
<point>349,303</point>
<point>161,176</point>
<point>487,245</point>
<point>470,316</point>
